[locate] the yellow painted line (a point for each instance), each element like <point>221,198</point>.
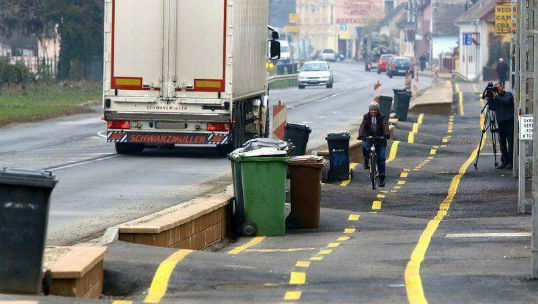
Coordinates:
<point>411,138</point>
<point>325,252</point>
<point>381,196</point>
<point>343,238</point>
<point>245,246</point>
<point>297,278</point>
<point>159,285</point>
<point>349,230</point>
<point>436,147</point>
<point>376,205</point>
<point>383,191</point>
<point>333,245</point>
<point>280,250</point>
<point>303,264</point>
<point>292,295</point>
<point>393,151</point>
<point>316,258</point>
<point>420,118</point>
<point>404,174</point>
<point>346,182</point>
<point>430,157</point>
<point>373,212</point>
<point>353,217</point>
<point>457,88</point>
<point>115,302</point>
<point>445,140</point>
<point>407,170</point>
<point>433,151</point>
<point>397,187</point>
<point>462,111</point>
<point>413,282</point>
<point>401,182</point>
<point>415,127</point>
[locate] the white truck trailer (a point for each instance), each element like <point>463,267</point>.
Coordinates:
<point>186,72</point>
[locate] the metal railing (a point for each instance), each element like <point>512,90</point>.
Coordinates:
<point>282,77</point>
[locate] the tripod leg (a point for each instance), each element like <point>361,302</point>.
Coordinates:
<point>479,149</point>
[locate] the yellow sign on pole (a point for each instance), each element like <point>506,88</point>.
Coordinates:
<point>503,17</point>
<point>291,29</point>
<point>294,18</point>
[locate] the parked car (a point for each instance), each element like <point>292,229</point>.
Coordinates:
<point>315,73</point>
<point>316,55</point>
<point>383,62</point>
<point>328,55</point>
<point>400,66</point>
<point>369,66</point>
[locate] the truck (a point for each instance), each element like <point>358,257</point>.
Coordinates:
<point>181,73</point>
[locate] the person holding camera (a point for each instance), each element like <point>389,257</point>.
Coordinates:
<point>503,105</point>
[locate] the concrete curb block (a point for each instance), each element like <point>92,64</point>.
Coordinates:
<point>76,271</point>
<point>436,102</point>
<point>193,225</point>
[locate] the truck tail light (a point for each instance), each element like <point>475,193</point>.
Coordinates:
<point>118,124</point>
<point>218,126</point>
<point>412,67</point>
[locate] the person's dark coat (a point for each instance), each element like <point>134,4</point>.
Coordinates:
<point>504,106</point>
<point>381,130</point>
<point>502,71</point>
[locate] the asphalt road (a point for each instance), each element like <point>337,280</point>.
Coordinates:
<point>99,189</point>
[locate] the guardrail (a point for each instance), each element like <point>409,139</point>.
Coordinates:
<point>282,77</point>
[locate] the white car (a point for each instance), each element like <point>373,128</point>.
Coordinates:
<point>328,55</point>
<point>315,73</point>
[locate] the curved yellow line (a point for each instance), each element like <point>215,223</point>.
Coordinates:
<point>251,243</point>
<point>393,151</point>
<point>159,285</point>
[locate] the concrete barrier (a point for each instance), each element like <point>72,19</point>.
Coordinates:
<point>75,271</point>
<point>200,223</point>
<point>436,100</point>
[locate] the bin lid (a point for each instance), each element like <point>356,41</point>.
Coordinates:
<point>385,97</point>
<point>25,177</point>
<point>303,127</point>
<point>400,90</point>
<point>263,153</point>
<point>341,135</point>
<point>308,161</point>
<point>259,143</point>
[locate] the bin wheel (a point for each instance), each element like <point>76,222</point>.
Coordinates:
<point>293,222</point>
<point>249,229</point>
<point>351,174</point>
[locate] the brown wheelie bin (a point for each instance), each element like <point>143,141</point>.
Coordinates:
<point>305,188</point>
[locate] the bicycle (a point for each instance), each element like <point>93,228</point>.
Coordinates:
<point>374,175</point>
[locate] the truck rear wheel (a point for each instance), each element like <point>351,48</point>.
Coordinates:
<point>122,148</point>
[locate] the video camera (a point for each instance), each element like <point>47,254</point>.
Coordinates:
<point>490,91</point>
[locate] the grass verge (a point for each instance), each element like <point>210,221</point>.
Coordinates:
<point>47,100</point>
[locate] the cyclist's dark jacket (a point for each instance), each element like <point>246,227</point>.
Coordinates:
<point>382,128</point>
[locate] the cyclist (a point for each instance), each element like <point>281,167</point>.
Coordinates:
<point>375,124</point>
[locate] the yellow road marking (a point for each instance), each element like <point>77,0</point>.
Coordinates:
<point>353,217</point>
<point>457,88</point>
<point>401,182</point>
<point>325,251</point>
<point>279,250</point>
<point>413,282</point>
<point>343,238</point>
<point>349,230</point>
<point>462,111</point>
<point>407,170</point>
<point>297,278</point>
<point>404,174</point>
<point>397,187</point>
<point>243,247</point>
<point>304,264</point>
<point>115,302</point>
<point>316,258</point>
<point>445,140</point>
<point>411,138</point>
<point>381,196</point>
<point>346,182</point>
<point>292,295</point>
<point>159,285</point>
<point>376,205</point>
<point>393,151</point>
<point>383,191</point>
<point>333,245</point>
<point>433,151</point>
<point>420,118</point>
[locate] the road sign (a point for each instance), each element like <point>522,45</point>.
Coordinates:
<point>467,38</point>
<point>504,16</point>
<point>342,27</point>
<point>293,18</point>
<point>291,29</point>
<point>526,127</point>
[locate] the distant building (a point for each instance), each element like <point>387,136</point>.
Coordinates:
<point>475,25</point>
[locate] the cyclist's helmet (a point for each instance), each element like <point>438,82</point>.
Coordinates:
<point>374,106</point>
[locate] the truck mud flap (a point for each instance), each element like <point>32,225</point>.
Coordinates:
<point>159,138</point>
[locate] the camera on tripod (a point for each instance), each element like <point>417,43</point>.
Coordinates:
<point>490,91</point>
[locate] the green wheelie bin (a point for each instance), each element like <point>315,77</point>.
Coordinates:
<point>264,194</point>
